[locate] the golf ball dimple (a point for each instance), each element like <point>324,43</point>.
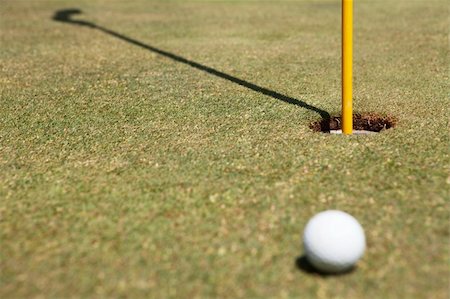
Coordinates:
<point>333,241</point>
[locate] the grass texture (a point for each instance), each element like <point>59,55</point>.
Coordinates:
<point>130,173</point>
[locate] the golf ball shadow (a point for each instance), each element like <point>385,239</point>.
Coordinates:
<point>305,266</point>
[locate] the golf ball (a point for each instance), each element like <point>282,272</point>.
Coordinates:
<point>333,241</point>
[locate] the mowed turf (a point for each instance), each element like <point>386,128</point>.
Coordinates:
<point>127,174</point>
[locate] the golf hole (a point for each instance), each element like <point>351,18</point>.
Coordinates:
<point>369,123</point>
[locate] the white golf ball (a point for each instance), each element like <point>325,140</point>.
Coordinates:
<point>334,241</point>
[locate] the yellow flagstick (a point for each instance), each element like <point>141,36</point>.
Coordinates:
<point>347,61</point>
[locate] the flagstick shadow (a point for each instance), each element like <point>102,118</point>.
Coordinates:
<point>66,15</point>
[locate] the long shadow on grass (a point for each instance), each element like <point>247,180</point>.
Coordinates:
<point>66,15</point>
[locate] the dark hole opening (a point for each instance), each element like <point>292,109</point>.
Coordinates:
<point>365,122</point>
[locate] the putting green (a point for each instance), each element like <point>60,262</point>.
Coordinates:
<point>169,154</point>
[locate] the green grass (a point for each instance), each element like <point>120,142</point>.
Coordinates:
<point>125,174</point>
